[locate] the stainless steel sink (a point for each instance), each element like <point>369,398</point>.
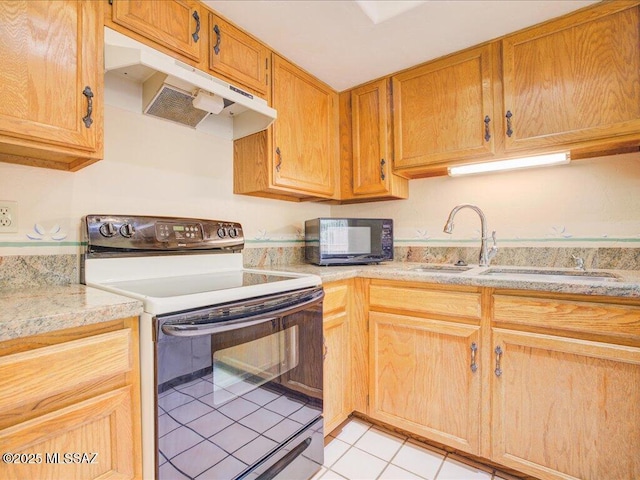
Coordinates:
<point>563,275</point>
<point>441,269</point>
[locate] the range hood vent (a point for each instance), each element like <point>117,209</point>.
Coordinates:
<point>175,91</point>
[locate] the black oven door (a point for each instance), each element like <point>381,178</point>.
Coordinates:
<point>239,389</point>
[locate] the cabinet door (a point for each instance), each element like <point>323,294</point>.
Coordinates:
<point>566,408</point>
<point>370,123</point>
<point>236,55</point>
<point>174,24</point>
<point>305,133</point>
<point>337,403</point>
<point>422,379</point>
<point>337,371</point>
<point>50,53</point>
<point>443,111</point>
<point>573,80</point>
<point>97,433</point>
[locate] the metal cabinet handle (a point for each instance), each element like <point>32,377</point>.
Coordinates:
<point>216,47</point>
<point>487,133</point>
<point>279,164</point>
<point>195,35</point>
<point>474,349</point>
<point>325,349</point>
<point>89,94</point>
<point>382,174</point>
<point>509,129</point>
<point>498,370</point>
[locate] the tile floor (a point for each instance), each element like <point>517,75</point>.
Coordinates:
<point>213,427</point>
<point>360,451</point>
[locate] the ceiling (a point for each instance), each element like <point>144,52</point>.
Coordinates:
<point>346,43</point>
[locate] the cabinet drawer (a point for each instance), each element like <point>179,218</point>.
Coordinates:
<point>335,297</point>
<point>597,318</point>
<point>98,431</point>
<point>44,372</point>
<point>440,302</point>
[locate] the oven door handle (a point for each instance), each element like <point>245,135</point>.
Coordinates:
<point>209,328</point>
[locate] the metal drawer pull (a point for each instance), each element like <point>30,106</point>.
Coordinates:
<point>498,370</point>
<point>382,164</point>
<point>474,349</point>
<point>509,129</point>
<point>487,134</point>
<point>195,35</point>
<point>89,94</point>
<point>279,164</point>
<point>216,47</point>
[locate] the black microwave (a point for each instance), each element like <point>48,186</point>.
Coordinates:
<point>348,241</point>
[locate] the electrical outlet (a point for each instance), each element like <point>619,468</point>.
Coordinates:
<point>8,217</point>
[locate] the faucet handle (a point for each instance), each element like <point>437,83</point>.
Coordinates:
<point>494,249</point>
<point>579,262</point>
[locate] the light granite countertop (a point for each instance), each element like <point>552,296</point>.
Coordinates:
<point>32,311</point>
<point>626,283</point>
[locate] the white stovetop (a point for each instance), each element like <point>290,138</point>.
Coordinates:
<point>175,283</point>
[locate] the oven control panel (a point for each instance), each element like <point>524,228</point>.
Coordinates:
<point>183,232</point>
<point>117,233</point>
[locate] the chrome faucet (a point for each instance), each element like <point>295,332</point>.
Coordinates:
<point>485,254</point>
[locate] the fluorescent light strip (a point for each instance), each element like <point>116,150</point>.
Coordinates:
<point>512,164</point>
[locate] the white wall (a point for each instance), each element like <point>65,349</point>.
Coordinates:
<point>594,202</point>
<point>156,168</point>
<point>150,167</point>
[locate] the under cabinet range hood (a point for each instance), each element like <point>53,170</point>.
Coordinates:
<point>180,93</point>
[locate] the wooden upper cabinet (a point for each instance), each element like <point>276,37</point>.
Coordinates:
<point>370,159</point>
<point>51,77</point>
<point>566,408</point>
<point>237,56</point>
<point>296,158</point>
<point>175,24</point>
<point>443,111</point>
<point>573,80</point>
<point>305,132</point>
<point>370,120</point>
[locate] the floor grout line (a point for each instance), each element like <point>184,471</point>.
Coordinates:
<point>405,440</point>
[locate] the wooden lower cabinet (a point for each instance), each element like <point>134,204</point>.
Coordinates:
<point>337,356</point>
<point>422,379</point>
<point>423,361</point>
<point>70,404</point>
<point>566,408</point>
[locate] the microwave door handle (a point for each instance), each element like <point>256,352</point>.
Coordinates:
<point>191,330</point>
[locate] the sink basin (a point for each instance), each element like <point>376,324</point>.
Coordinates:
<point>564,275</point>
<point>441,269</point>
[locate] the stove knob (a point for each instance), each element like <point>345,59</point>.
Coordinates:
<point>233,232</point>
<point>127,230</point>
<point>108,230</point>
<point>222,232</point>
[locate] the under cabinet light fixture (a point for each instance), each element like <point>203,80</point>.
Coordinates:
<point>512,164</point>
<point>208,102</point>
